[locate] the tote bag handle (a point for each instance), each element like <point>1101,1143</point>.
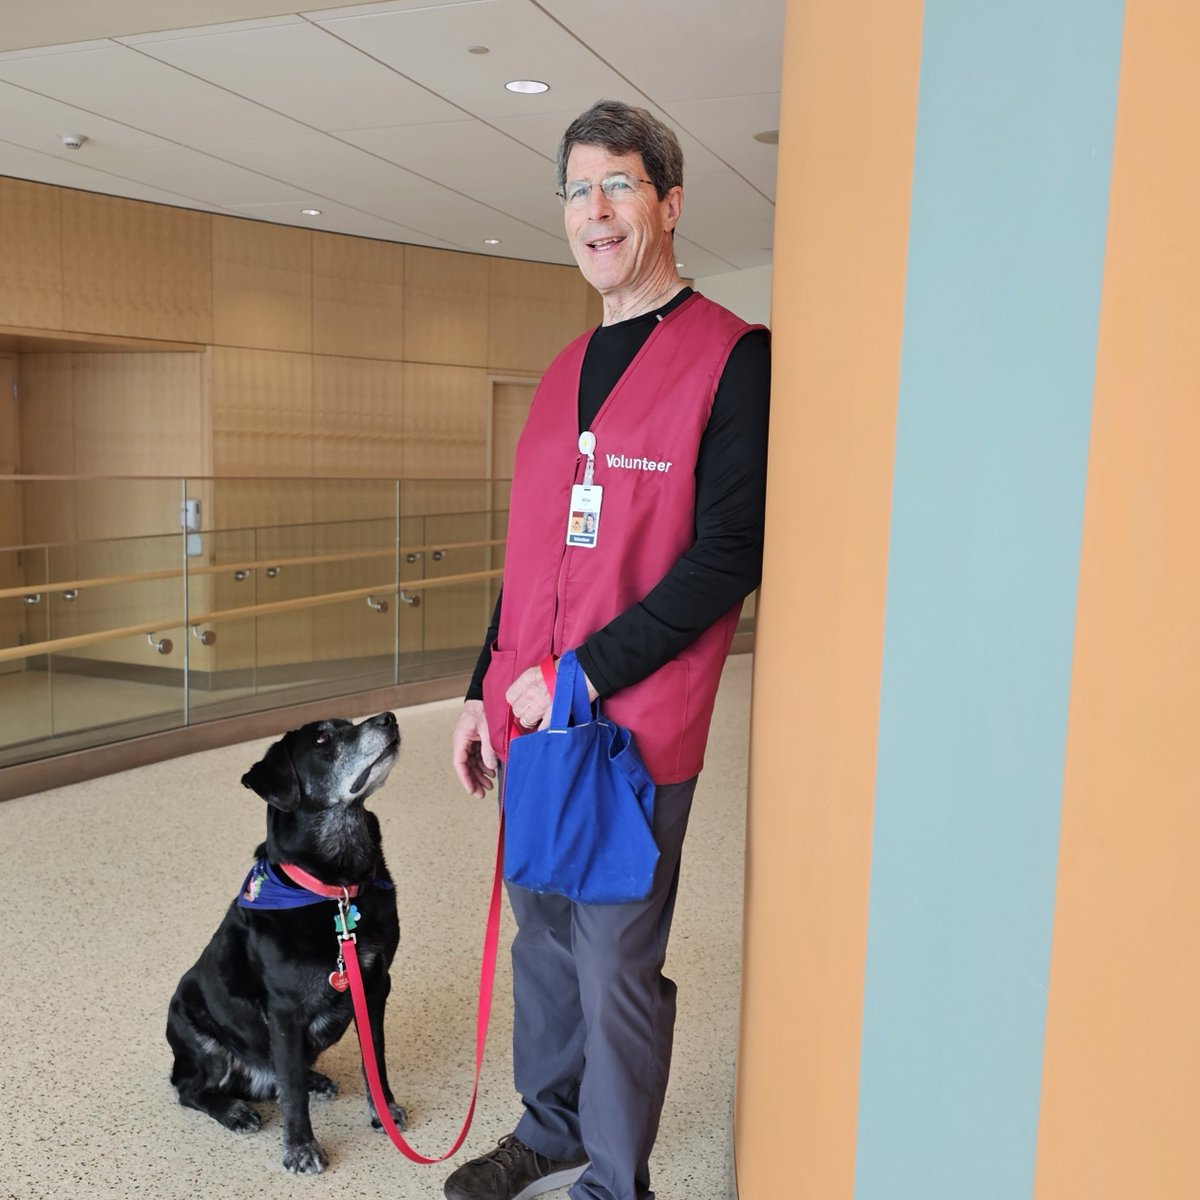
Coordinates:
<point>570,704</point>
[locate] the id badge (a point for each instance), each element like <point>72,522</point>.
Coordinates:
<point>583,524</point>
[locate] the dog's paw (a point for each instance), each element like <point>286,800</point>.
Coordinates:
<point>398,1115</point>
<point>305,1158</point>
<point>321,1086</point>
<point>241,1117</point>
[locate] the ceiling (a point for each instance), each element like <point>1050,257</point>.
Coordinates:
<point>385,118</point>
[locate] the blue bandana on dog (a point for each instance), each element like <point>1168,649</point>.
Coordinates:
<point>264,889</point>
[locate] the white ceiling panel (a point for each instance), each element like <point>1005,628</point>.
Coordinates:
<point>729,124</point>
<point>381,6</point>
<point>73,174</point>
<point>697,260</point>
<point>313,163</point>
<point>711,200</point>
<point>198,175</point>
<point>543,131</point>
<point>380,115</point>
<point>431,46</point>
<point>127,86</point>
<point>683,49</point>
<point>463,221</point>
<point>299,69</point>
<point>37,122</point>
<point>748,243</point>
<point>46,22</point>
<point>477,161</point>
<point>339,218</point>
<point>13,156</point>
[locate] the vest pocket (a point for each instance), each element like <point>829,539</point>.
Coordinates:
<point>657,712</point>
<point>499,678</point>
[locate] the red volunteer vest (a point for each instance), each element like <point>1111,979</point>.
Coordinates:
<point>648,435</point>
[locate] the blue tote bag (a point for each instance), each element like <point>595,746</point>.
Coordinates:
<point>578,803</point>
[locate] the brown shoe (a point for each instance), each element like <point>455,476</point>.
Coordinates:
<point>512,1171</point>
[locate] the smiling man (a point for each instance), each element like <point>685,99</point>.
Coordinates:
<point>635,532</point>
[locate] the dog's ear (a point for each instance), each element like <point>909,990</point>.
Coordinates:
<point>275,779</point>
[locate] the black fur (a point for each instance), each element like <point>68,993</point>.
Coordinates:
<point>249,1019</point>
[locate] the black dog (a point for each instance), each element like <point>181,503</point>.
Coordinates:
<point>249,1020</point>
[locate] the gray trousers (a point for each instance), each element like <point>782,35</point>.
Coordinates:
<point>588,988</point>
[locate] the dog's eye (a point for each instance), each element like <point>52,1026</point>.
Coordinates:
<point>323,738</point>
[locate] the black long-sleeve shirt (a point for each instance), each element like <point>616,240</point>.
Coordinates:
<point>724,563</point>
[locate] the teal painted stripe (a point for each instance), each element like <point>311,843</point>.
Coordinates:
<point>1011,179</point>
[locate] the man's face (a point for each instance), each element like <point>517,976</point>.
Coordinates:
<point>620,245</point>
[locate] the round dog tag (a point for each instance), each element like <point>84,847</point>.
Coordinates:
<point>339,981</point>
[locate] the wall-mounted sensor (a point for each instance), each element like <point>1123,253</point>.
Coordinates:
<point>72,141</point>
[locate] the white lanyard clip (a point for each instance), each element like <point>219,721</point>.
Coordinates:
<point>587,445</point>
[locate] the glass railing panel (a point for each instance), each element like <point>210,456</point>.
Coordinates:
<point>222,577</point>
<point>357,555</point>
<point>410,601</point>
<point>25,702</point>
<point>104,621</point>
<point>458,615</point>
<point>99,676</point>
<point>152,603</point>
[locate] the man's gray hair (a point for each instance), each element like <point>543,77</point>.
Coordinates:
<point>622,129</point>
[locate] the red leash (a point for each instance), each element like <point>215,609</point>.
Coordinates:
<point>487,972</point>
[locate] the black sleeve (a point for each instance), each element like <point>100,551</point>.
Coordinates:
<point>475,691</point>
<point>724,564</point>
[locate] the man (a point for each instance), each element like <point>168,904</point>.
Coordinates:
<point>664,406</point>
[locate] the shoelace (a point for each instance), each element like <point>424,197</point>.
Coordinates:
<point>509,1151</point>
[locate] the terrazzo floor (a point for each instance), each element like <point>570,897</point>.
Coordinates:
<point>113,887</point>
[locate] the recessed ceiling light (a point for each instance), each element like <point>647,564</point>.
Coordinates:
<point>529,86</point>
<point>679,266</point>
<point>311,212</point>
<point>768,137</point>
<point>478,50</point>
<point>491,241</point>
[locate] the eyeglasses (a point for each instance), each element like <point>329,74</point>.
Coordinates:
<point>616,187</point>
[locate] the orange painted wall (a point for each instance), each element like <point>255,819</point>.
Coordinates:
<point>845,170</point>
<point>1121,1085</point>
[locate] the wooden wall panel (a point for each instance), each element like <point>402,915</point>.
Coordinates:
<point>47,415</point>
<point>123,510</point>
<point>139,414</point>
<point>31,286</point>
<point>445,422</point>
<point>136,269</point>
<point>262,412</point>
<point>262,285</point>
<point>358,416</point>
<point>358,297</point>
<point>357,500</point>
<point>594,309</point>
<point>446,307</point>
<point>535,309</point>
<point>510,409</point>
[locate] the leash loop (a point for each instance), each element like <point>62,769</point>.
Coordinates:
<point>362,1022</point>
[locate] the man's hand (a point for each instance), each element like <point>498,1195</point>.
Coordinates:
<point>530,701</point>
<point>473,756</point>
